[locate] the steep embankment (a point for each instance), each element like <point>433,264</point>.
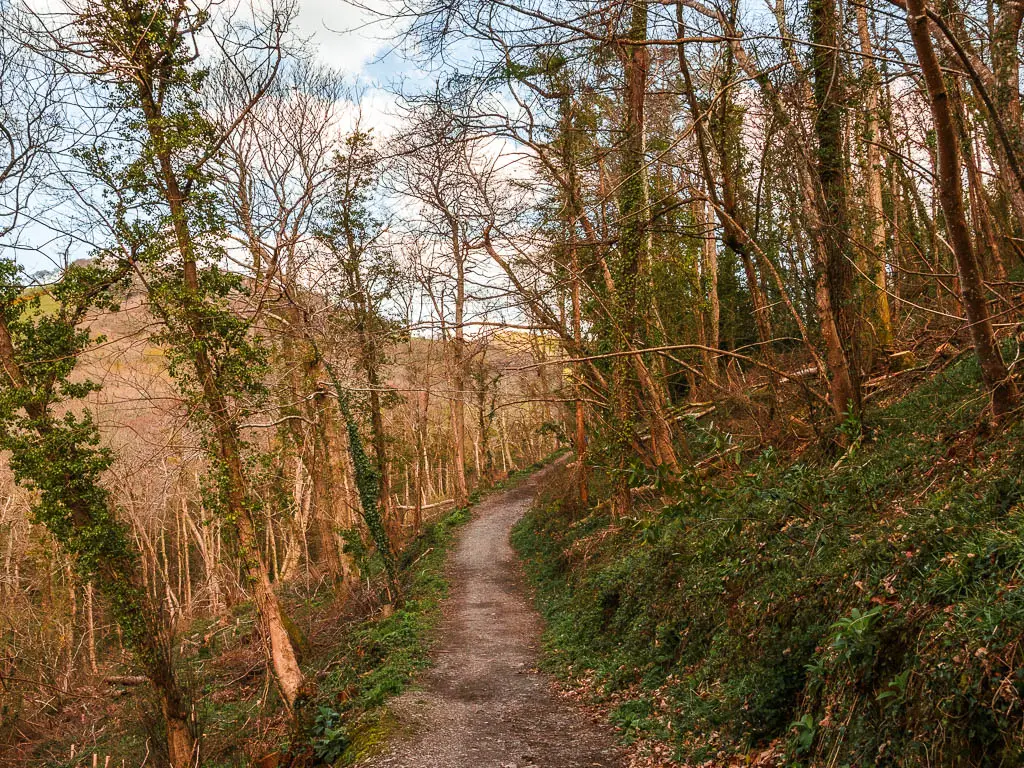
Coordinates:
<point>861,612</point>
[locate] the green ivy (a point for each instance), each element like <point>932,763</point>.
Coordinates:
<point>55,444</point>
<point>367,478</point>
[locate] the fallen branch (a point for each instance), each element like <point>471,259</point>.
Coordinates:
<point>803,373</point>
<point>126,680</point>
<point>716,457</point>
<point>427,506</point>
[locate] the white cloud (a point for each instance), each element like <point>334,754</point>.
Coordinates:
<point>345,36</point>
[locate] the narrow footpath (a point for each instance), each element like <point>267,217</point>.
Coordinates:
<point>483,704</point>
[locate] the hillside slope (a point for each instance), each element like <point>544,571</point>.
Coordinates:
<point>809,612</point>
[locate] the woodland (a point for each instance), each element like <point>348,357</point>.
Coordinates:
<point>752,271</point>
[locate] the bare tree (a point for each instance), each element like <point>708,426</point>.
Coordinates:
<point>144,55</point>
<point>950,181</point>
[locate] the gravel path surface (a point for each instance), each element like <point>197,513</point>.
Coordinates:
<point>484,704</point>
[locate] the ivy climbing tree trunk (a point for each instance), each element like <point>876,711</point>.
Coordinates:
<point>350,233</point>
<point>835,281</point>
<point>1006,94</point>
<point>579,409</point>
<point>370,358</point>
<point>366,479</point>
<point>145,48</point>
<point>239,503</point>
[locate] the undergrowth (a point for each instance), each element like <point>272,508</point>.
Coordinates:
<point>365,660</point>
<point>854,613</point>
<point>382,655</point>
<point>360,652</point>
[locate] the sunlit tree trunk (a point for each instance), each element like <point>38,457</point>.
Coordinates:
<point>579,409</point>
<point>283,656</point>
<point>710,316</point>
<point>877,298</point>
<point>997,380</point>
<point>458,368</point>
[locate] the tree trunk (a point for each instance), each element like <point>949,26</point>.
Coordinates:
<point>580,433</point>
<point>422,460</point>
<point>981,214</point>
<point>630,279</point>
<point>709,276</point>
<point>458,352</point>
<point>283,657</point>
<point>90,628</point>
<point>993,370</point>
<point>323,493</point>
<point>1005,53</point>
<point>734,226</point>
<point>878,302</point>
<point>835,292</point>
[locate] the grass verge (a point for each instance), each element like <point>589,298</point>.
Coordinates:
<point>382,655</point>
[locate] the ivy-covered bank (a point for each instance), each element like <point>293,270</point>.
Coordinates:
<point>865,612</point>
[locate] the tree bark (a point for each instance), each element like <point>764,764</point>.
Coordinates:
<point>580,431</point>
<point>840,378</point>
<point>458,362</point>
<point>632,298</point>
<point>283,657</point>
<point>1003,390</point>
<point>90,628</point>
<point>878,302</point>
<point>710,316</point>
<point>835,291</point>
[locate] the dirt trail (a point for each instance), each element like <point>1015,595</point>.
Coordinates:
<point>483,704</point>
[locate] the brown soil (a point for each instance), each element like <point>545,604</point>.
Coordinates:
<point>483,704</point>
